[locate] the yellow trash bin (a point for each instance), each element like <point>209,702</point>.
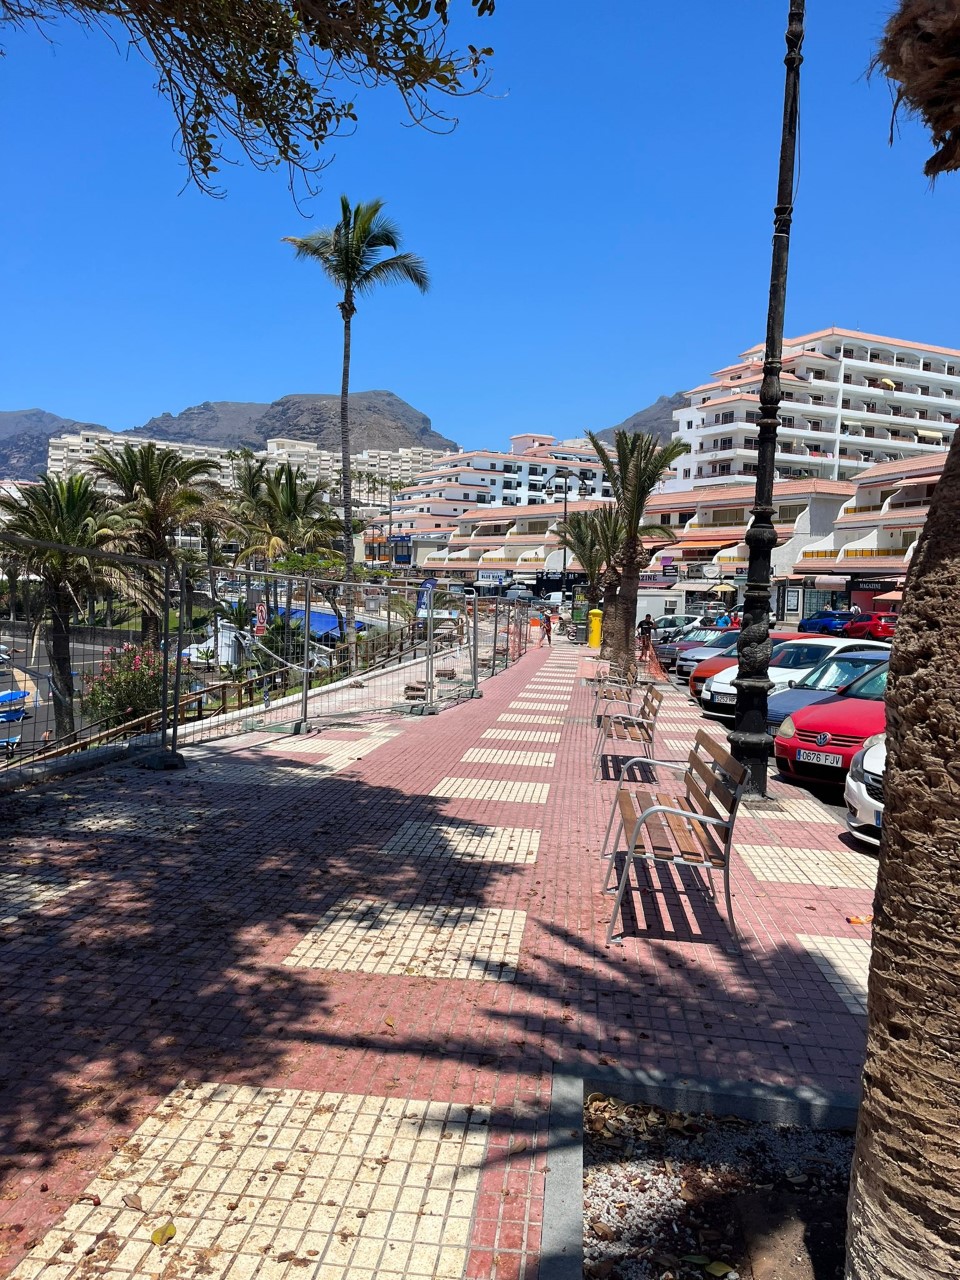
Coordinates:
<point>595,628</point>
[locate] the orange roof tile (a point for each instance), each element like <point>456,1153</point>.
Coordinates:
<point>929,463</point>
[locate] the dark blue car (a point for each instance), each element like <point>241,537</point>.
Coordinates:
<point>832,674</point>
<point>826,622</point>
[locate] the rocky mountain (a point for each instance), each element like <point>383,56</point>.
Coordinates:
<point>655,420</point>
<point>378,420</point>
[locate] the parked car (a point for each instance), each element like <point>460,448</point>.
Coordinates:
<point>791,660</point>
<point>697,665</point>
<point>871,626</point>
<point>821,740</point>
<point>826,622</point>
<point>669,623</point>
<point>841,668</point>
<point>667,650</point>
<point>863,791</point>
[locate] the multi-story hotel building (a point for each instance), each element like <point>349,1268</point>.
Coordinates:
<point>73,452</point>
<point>866,555</point>
<point>427,512</point>
<point>850,400</point>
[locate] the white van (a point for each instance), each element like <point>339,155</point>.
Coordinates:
<point>557,599</point>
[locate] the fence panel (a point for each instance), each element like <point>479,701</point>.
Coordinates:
<point>147,652</point>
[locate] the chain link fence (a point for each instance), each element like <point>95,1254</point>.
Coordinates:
<point>98,650</point>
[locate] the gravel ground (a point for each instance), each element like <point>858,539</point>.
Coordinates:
<point>664,1192</point>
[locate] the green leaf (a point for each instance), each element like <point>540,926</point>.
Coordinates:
<point>718,1268</point>
<point>164,1234</point>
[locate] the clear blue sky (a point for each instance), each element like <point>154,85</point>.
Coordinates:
<point>597,229</point>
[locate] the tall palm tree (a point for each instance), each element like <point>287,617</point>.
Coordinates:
<point>71,512</point>
<point>903,1197</point>
<point>634,469</point>
<point>159,493</point>
<point>349,254</point>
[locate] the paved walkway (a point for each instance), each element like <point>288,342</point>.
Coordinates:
<point>304,1000</point>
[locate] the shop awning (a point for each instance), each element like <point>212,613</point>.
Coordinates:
<point>930,435</point>
<point>829,582</point>
<point>889,597</point>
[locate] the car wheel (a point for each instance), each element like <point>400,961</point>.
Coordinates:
<point>824,631</point>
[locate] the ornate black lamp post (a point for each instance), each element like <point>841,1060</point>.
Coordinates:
<point>749,740</point>
<point>561,484</point>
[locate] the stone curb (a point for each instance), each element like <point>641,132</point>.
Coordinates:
<point>561,1255</point>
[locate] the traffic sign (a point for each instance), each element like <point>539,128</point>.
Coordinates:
<point>260,629</point>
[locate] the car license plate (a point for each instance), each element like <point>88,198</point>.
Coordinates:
<point>878,818</point>
<point>725,697</point>
<point>819,757</point>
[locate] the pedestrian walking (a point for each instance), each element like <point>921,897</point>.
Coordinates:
<point>645,636</point>
<point>546,629</point>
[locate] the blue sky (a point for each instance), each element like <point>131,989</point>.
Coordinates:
<point>597,228</point>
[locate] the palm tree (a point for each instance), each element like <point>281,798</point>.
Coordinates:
<point>903,1195</point>
<point>290,516</point>
<point>159,493</point>
<point>581,536</point>
<point>634,469</point>
<point>349,255</point>
<point>68,511</point>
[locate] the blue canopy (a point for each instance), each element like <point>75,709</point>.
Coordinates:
<point>321,623</point>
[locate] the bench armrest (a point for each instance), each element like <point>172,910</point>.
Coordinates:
<point>679,766</point>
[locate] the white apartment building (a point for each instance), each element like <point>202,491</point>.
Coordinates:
<point>461,483</point>
<point>851,400</point>
<point>72,452</point>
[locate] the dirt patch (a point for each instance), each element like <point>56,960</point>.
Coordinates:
<point>677,1196</point>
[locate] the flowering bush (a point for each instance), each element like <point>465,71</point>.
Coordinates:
<point>129,685</point>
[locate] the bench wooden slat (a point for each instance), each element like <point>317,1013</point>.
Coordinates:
<point>712,784</point>
<point>732,768</point>
<point>631,807</point>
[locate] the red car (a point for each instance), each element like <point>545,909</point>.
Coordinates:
<point>820,740</point>
<point>710,666</point>
<point>871,626</point>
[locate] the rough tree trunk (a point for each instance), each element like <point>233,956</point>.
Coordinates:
<point>623,641</point>
<point>57,643</point>
<point>347,310</point>
<point>904,1216</point>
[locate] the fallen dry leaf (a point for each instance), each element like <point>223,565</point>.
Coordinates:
<point>163,1235</point>
<point>132,1201</point>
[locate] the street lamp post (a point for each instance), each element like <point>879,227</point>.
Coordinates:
<point>749,740</point>
<point>562,476</point>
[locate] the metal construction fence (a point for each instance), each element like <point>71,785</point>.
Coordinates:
<point>97,649</point>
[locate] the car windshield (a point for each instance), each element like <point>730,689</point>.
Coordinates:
<point>701,635</point>
<point>730,651</point>
<point>835,672</point>
<point>871,686</point>
<point>794,653</point>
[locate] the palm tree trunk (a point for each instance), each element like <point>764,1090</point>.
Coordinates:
<point>623,644</point>
<point>212,574</point>
<point>345,484</point>
<point>905,1192</point>
<point>57,643</point>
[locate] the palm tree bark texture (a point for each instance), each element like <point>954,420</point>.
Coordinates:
<point>904,1216</point>
<point>349,256</point>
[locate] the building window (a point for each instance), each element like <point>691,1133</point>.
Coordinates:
<point>686,473</point>
<point>726,442</point>
<point>723,469</point>
<point>848,351</point>
<point>819,375</point>
<point>726,417</point>
<point>689,424</point>
<point>791,513</point>
<point>952,370</point>
<point>816,399</point>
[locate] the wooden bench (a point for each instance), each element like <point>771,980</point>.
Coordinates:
<point>631,723</point>
<point>691,828</point>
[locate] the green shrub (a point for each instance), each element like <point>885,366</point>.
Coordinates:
<point>129,685</point>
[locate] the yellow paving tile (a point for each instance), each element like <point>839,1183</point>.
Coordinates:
<point>845,963</point>
<point>827,868</point>
<point>502,791</point>
<point>466,840</point>
<point>252,1180</point>
<point>432,940</point>
<point>500,755</point>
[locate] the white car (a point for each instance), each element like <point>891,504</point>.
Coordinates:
<point>863,791</point>
<point>789,662</point>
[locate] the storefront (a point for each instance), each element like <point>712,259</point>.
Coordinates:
<point>864,593</point>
